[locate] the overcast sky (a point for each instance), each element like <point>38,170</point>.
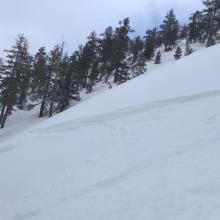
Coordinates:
<point>47,22</point>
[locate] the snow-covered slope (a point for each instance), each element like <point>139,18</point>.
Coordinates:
<point>148,149</point>
<point>190,75</point>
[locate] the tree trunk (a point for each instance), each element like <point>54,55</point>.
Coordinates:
<point>5,115</point>
<point>108,73</point>
<point>2,113</point>
<point>51,109</point>
<point>42,107</point>
<point>46,88</point>
<point>116,76</point>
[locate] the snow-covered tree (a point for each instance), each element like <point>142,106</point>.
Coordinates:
<point>178,53</point>
<point>169,30</point>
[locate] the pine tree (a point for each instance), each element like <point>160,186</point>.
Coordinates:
<point>88,54</point>
<point>56,81</point>
<point>211,20</point>
<point>183,32</point>
<point>62,83</point>
<point>75,77</point>
<point>106,54</point>
<point>188,49</point>
<point>150,43</point>
<point>137,46</point>
<point>196,27</point>
<point>139,66</point>
<point>24,69</point>
<point>178,53</point>
<point>158,58</point>
<point>210,41</point>
<point>66,85</point>
<point>93,65</point>
<point>169,30</point>
<point>121,45</point>
<point>48,97</point>
<point>137,60</point>
<point>24,84</point>
<point>82,57</point>
<point>92,77</point>
<point>1,87</point>
<point>39,74</point>
<point>1,71</point>
<point>15,80</point>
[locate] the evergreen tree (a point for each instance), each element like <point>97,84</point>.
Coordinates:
<point>169,30</point>
<point>137,59</point>
<point>188,49</point>
<point>196,27</point>
<point>106,54</point>
<point>81,57</point>
<point>75,84</point>
<point>1,70</point>
<point>150,43</point>
<point>61,86</point>
<point>92,76</point>
<point>24,69</point>
<point>39,74</point>
<point>93,71</point>
<point>139,66</point>
<point>89,54</point>
<point>121,46</point>
<point>1,86</point>
<point>183,32</point>
<point>48,97</point>
<point>178,53</point>
<point>158,58</point>
<point>56,82</point>
<point>66,86</point>
<point>211,20</point>
<point>15,80</point>
<point>24,83</point>
<point>137,46</point>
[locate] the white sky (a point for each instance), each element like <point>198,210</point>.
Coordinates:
<point>47,22</point>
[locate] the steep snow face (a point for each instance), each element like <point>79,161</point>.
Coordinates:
<point>148,149</point>
<point>192,74</point>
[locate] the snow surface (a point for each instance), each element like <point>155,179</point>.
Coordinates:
<point>148,149</point>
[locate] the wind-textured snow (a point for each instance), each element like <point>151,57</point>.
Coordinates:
<point>148,149</point>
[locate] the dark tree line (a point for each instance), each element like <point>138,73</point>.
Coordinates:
<point>53,80</point>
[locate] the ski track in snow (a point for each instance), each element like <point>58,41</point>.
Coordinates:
<point>99,119</point>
